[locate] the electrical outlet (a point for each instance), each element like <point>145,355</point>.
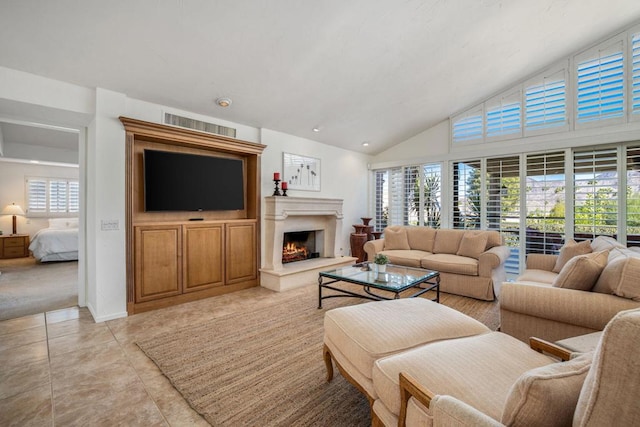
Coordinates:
<point>109,224</point>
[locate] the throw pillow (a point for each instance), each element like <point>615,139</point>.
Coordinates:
<point>473,244</point>
<point>447,241</point>
<point>570,249</point>
<point>582,272</point>
<point>421,238</point>
<point>621,277</point>
<point>396,239</point>
<point>547,396</point>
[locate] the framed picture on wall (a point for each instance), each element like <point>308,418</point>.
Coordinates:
<point>301,172</point>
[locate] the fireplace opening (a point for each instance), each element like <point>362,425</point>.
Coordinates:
<point>298,246</point>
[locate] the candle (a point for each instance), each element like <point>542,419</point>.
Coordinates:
<point>284,185</point>
<point>276,176</point>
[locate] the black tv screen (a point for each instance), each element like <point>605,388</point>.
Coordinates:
<point>191,182</point>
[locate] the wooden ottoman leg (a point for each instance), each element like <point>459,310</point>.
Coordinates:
<point>327,361</point>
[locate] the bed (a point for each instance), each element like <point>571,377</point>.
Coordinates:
<point>58,242</point>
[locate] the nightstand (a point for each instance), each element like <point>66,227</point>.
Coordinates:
<point>14,246</point>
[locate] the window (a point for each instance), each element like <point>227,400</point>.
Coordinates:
<point>468,126</point>
<point>633,195</point>
<point>52,196</point>
<point>635,75</point>
<point>432,195</point>
<point>546,102</point>
<point>412,209</point>
<point>467,194</point>
<point>381,200</point>
<point>595,178</point>
<point>504,116</point>
<point>600,83</point>
<point>545,191</point>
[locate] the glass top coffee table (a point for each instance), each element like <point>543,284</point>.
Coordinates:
<point>395,280</point>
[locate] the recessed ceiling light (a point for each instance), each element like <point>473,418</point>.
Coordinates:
<point>316,129</point>
<point>223,102</point>
<point>365,144</point>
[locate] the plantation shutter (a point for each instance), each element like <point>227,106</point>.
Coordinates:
<point>468,126</point>
<point>595,193</point>
<point>58,196</point>
<point>503,116</point>
<point>503,204</point>
<point>432,195</point>
<point>411,200</point>
<point>36,195</point>
<point>635,76</point>
<point>382,200</point>
<point>600,83</point>
<point>396,196</point>
<point>74,197</point>
<point>545,203</point>
<point>466,194</point>
<point>633,195</point>
<point>546,102</point>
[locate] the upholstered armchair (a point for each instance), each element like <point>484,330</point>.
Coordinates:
<point>594,389</point>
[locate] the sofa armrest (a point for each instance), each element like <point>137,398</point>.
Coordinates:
<point>446,410</point>
<point>372,247</point>
<point>591,310</point>
<point>541,262</point>
<point>450,412</point>
<point>492,259</point>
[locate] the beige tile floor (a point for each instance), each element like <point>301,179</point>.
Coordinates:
<point>60,368</point>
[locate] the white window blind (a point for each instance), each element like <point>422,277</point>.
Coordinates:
<point>432,195</point>
<point>382,200</point>
<point>52,196</point>
<point>468,126</point>
<point>412,204</point>
<point>633,195</point>
<point>635,74</point>
<point>600,83</point>
<point>546,101</point>
<point>396,197</point>
<point>466,194</point>
<point>503,204</point>
<point>545,202</point>
<point>503,115</point>
<point>595,193</point>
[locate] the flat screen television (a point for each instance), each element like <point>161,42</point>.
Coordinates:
<point>192,182</point>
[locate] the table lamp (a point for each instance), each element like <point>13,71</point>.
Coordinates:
<point>14,210</point>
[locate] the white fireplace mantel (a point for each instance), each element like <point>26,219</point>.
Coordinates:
<point>287,214</point>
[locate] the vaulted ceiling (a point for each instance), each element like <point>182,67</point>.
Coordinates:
<point>360,70</point>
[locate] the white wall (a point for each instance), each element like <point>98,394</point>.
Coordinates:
<point>343,173</point>
<point>12,190</point>
<point>16,150</point>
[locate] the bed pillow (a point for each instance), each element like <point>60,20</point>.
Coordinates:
<point>63,223</point>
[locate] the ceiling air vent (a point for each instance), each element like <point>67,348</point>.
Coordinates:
<point>184,122</point>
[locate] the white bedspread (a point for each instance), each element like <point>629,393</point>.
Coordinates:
<point>51,244</point>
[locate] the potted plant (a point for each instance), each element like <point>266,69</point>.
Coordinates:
<point>381,262</point>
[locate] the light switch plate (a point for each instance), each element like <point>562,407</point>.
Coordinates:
<point>109,224</point>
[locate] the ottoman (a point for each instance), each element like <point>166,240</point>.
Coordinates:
<point>356,336</point>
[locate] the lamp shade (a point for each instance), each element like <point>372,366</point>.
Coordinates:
<point>13,209</point>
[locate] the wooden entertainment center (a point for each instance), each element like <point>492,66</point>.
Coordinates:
<point>175,257</point>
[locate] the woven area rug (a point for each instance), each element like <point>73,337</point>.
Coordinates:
<point>265,367</point>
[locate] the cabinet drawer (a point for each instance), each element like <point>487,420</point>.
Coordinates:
<point>13,252</point>
<point>12,242</point>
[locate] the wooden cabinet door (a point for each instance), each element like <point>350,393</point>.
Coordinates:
<point>158,252</point>
<point>241,255</point>
<point>203,257</point>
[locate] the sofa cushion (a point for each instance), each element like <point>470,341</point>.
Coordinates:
<point>447,241</point>
<point>547,395</point>
<point>395,239</point>
<point>621,277</point>
<point>532,275</point>
<point>582,271</point>
<point>455,264</point>
<point>421,238</point>
<point>367,332</point>
<point>569,250</point>
<point>472,244</point>
<point>410,258</point>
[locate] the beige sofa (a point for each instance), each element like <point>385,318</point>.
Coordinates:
<point>581,296</point>
<point>470,262</point>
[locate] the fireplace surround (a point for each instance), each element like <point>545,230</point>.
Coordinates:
<point>296,214</point>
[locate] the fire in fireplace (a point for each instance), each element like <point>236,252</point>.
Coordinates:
<point>298,246</point>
